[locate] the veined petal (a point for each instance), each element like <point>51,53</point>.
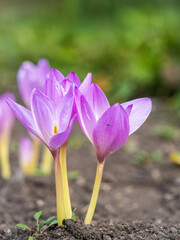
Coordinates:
<point>25,117</point>
<point>97,100</point>
<point>53,90</point>
<point>60,138</point>
<point>55,74</point>
<point>65,85</point>
<point>85,84</point>
<point>111,131</point>
<point>74,78</point>
<point>43,113</point>
<point>64,110</point>
<point>86,118</point>
<point>140,111</point>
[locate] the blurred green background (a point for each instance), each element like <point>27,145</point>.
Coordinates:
<point>131,47</point>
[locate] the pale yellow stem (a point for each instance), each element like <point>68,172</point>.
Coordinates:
<point>59,190</point>
<point>4,158</point>
<point>67,201</point>
<point>46,165</point>
<point>34,161</point>
<point>95,193</point>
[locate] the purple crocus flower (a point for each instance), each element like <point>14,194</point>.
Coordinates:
<point>108,127</point>
<point>50,123</point>
<point>6,124</point>
<point>30,76</point>
<point>6,116</point>
<point>25,153</point>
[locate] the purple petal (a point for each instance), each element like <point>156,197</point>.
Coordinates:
<point>27,80</point>
<point>43,113</point>
<point>64,110</point>
<point>55,74</point>
<point>60,138</point>
<point>6,115</point>
<point>53,90</point>
<point>111,131</point>
<point>97,100</point>
<point>139,112</point>
<point>86,84</point>
<point>66,84</point>
<point>25,117</point>
<point>43,66</point>
<point>74,78</point>
<point>25,150</point>
<point>86,118</point>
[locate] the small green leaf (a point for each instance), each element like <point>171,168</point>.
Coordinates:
<point>73,175</point>
<point>38,215</point>
<point>49,219</point>
<point>22,226</point>
<point>41,224</point>
<point>30,238</point>
<point>73,216</point>
<point>53,222</point>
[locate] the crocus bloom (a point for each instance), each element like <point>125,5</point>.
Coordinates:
<point>6,124</point>
<point>30,76</point>
<point>52,124</point>
<point>25,153</point>
<point>108,128</point>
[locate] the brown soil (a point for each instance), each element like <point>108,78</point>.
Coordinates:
<point>135,201</point>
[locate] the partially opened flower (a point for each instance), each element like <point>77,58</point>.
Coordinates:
<point>30,76</point>
<point>25,154</point>
<point>52,124</point>
<point>6,124</point>
<point>108,127</point>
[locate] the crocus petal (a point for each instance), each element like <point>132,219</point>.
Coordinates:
<point>26,80</point>
<point>139,112</point>
<point>65,85</point>
<point>64,110</point>
<point>86,84</point>
<point>111,131</point>
<point>53,73</point>
<point>25,117</point>
<point>53,90</point>
<point>43,66</point>
<point>97,100</point>
<point>43,113</point>
<point>74,78</point>
<point>86,117</point>
<point>60,138</point>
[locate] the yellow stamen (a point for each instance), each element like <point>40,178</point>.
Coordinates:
<point>55,129</point>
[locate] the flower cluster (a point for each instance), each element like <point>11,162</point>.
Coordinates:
<point>54,109</point>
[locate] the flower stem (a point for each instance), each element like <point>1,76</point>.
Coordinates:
<point>46,165</point>
<point>67,202</point>
<point>95,193</point>
<point>59,189</point>
<point>4,158</point>
<point>34,161</point>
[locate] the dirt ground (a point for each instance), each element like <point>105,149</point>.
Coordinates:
<point>138,200</point>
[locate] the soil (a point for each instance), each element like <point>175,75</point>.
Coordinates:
<point>136,201</point>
